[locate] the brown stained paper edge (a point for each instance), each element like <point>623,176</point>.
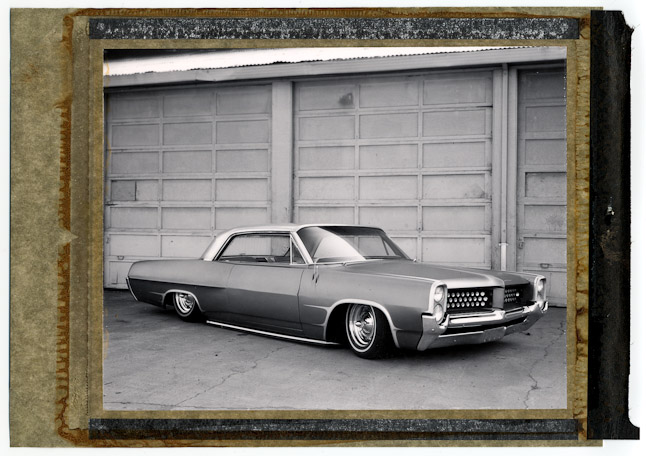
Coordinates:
<point>71,392</point>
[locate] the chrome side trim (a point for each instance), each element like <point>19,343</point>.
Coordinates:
<point>269,333</point>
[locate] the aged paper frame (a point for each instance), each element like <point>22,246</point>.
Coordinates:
<point>67,356</point>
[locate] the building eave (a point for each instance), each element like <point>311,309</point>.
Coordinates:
<point>340,67</point>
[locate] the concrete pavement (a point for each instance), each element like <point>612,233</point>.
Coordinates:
<point>154,361</point>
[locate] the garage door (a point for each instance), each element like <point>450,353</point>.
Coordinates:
<point>411,154</point>
<point>182,165</point>
<point>541,195</point>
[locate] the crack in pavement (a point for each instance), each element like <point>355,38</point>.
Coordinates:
<point>546,349</point>
<point>232,374</point>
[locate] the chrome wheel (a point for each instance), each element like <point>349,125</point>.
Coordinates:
<point>361,326</point>
<point>186,306</point>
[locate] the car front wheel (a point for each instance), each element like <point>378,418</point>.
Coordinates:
<point>186,307</point>
<point>368,332</point>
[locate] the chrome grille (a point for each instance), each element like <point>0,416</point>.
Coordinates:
<point>513,297</point>
<point>469,300</point>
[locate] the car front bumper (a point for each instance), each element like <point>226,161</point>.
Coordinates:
<point>478,328</point>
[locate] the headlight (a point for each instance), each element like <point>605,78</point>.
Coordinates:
<point>438,302</point>
<point>539,289</point>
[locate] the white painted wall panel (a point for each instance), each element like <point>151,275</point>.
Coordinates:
<point>416,150</point>
<point>175,159</point>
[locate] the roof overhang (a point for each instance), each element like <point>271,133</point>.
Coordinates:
<point>341,67</point>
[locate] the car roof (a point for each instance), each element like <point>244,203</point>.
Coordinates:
<point>219,240</point>
<point>289,227</point>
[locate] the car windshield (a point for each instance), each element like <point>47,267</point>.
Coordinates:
<point>348,243</point>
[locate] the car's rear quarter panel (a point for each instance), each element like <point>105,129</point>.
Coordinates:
<point>151,280</point>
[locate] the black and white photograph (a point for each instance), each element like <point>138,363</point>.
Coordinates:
<point>349,228</point>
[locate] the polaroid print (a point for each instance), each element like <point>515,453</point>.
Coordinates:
<point>355,227</point>
<point>462,164</point>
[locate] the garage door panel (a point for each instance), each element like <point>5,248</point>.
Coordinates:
<point>188,134</point>
<point>133,190</point>
<point>454,88</point>
<point>133,217</point>
<point>330,157</point>
<point>325,215</point>
<point>546,251</point>
<point>322,188</point>
<point>242,160</point>
<point>388,187</point>
<point>134,135</point>
<point>456,154</point>
<point>463,122</point>
<point>323,128</point>
<point>542,181</point>
<point>184,246</point>
<point>246,100</point>
<point>242,131</point>
<point>163,154</point>
<point>186,218</point>
<point>188,103</point>
<point>388,156</point>
<point>186,190</point>
<point>133,245</point>
<point>242,190</point>
<point>389,94</point>
<point>459,251</point>
<point>544,152</point>
<point>392,125</point>
<point>131,162</point>
<point>423,141</point>
<point>542,85</point>
<point>187,161</point>
<point>545,185</point>
<point>546,218</point>
<point>325,97</point>
<point>407,244</point>
<point>460,218</point>
<point>456,186</point>
<point>544,118</point>
<point>389,218</point>
<point>231,217</point>
<point>128,107</point>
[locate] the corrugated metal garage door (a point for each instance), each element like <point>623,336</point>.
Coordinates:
<point>541,204</point>
<point>182,165</point>
<point>411,154</point>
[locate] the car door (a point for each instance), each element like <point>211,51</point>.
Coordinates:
<point>262,290</point>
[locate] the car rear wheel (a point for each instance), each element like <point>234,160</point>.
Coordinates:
<point>186,307</point>
<point>368,332</point>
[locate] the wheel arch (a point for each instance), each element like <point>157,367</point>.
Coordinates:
<point>337,313</point>
<point>167,299</point>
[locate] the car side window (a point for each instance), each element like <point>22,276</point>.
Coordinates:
<point>261,248</point>
<point>297,258</point>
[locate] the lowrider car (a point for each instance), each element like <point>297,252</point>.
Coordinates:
<point>332,284</point>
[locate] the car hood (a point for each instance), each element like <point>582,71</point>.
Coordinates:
<point>453,277</point>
